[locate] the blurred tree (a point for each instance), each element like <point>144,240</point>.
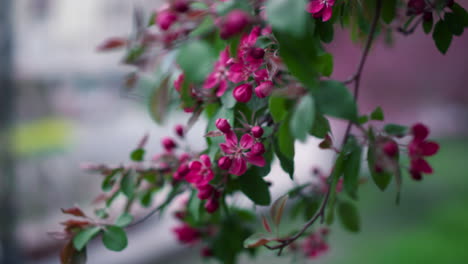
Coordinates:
<point>8,248</point>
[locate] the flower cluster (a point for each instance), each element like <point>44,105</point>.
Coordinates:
<point>246,68</point>
<point>321,9</point>
<point>315,244</point>
<point>238,153</point>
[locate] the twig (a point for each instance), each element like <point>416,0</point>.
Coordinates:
<point>356,78</point>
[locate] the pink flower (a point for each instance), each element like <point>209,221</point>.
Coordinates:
<point>419,148</point>
<point>390,148</point>
<point>212,205</point>
<point>224,163</point>
<point>219,76</point>
<point>240,153</point>
<point>165,19</point>
<point>180,130</point>
<point>321,8</point>
<point>187,234</point>
<point>181,6</point>
<point>200,171</point>
<point>205,191</point>
<point>247,51</point>
<point>243,93</point>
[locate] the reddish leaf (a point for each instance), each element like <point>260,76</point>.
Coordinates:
<point>265,224</point>
<point>74,211</point>
<point>112,44</point>
<point>257,240</point>
<point>69,255</point>
<point>71,224</point>
<point>277,209</point>
<point>214,133</point>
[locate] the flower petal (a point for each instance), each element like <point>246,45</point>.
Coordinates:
<point>421,165</point>
<point>238,166</point>
<point>429,148</point>
<point>314,6</point>
<point>226,148</point>
<point>222,88</point>
<point>256,160</point>
<point>246,141</point>
<point>211,81</point>
<point>231,139</point>
<point>327,13</point>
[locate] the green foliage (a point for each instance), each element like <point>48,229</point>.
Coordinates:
<point>196,60</point>
<point>138,155</point>
<point>334,99</point>
<point>124,220</point>
<point>255,187</point>
<point>302,118</point>
<point>84,236</point>
<point>352,166</point>
<point>114,238</point>
<point>395,130</point>
<point>349,216</point>
<point>442,36</point>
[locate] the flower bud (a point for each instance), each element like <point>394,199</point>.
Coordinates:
<point>450,3</point>
<point>264,89</point>
<point>390,148</point>
<point>420,131</point>
<point>225,163</point>
<point>257,131</point>
<point>427,16</point>
<point>179,129</point>
<point>416,7</point>
<point>223,125</point>
<point>181,6</point>
<point>233,23</point>
<point>257,149</point>
<point>212,205</point>
<point>243,93</point>
<point>206,252</point>
<point>206,160</point>
<point>168,144</point>
<point>165,19</point>
<point>181,172</point>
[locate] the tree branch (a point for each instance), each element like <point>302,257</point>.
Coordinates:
<point>356,78</point>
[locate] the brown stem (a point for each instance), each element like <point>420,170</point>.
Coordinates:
<point>356,78</point>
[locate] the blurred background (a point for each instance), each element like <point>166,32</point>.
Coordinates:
<point>62,103</point>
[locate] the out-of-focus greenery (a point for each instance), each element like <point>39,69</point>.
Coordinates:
<point>429,226</point>
<point>41,136</point>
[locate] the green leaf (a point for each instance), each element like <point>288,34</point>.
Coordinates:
<point>321,126</point>
<point>389,10</point>
<point>277,107</point>
<point>109,181</point>
<point>84,236</point>
<point>124,220</point>
<point>223,8</point>
<point>101,213</point>
<point>194,207</point>
<point>311,208</point>
<point>352,167</point>
<point>303,118</point>
<point>254,187</point>
<point>285,140</point>
<point>257,240</point>
<point>454,25</point>
<point>286,163</point>
<point>114,238</point>
<point>137,155</point>
<point>335,177</point>
<point>395,130</point>
<point>334,99</point>
<point>159,99</point>
<point>196,59</point>
<point>377,114</point>
<point>349,216</point>
<point>325,64</point>
<point>325,30</point>
<point>294,30</point>
<point>128,185</point>
<point>134,54</point>
<point>460,12</point>
<point>228,100</point>
<point>442,36</point>
<point>427,25</point>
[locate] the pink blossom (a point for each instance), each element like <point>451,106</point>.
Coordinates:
<point>390,148</point>
<point>247,51</point>
<point>315,245</point>
<point>200,171</point>
<point>219,76</point>
<point>240,153</point>
<point>168,144</point>
<point>321,8</point>
<point>212,205</point>
<point>187,234</point>
<point>257,131</point>
<point>264,89</point>
<point>180,130</point>
<point>418,148</point>
<point>181,6</point>
<point>223,125</point>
